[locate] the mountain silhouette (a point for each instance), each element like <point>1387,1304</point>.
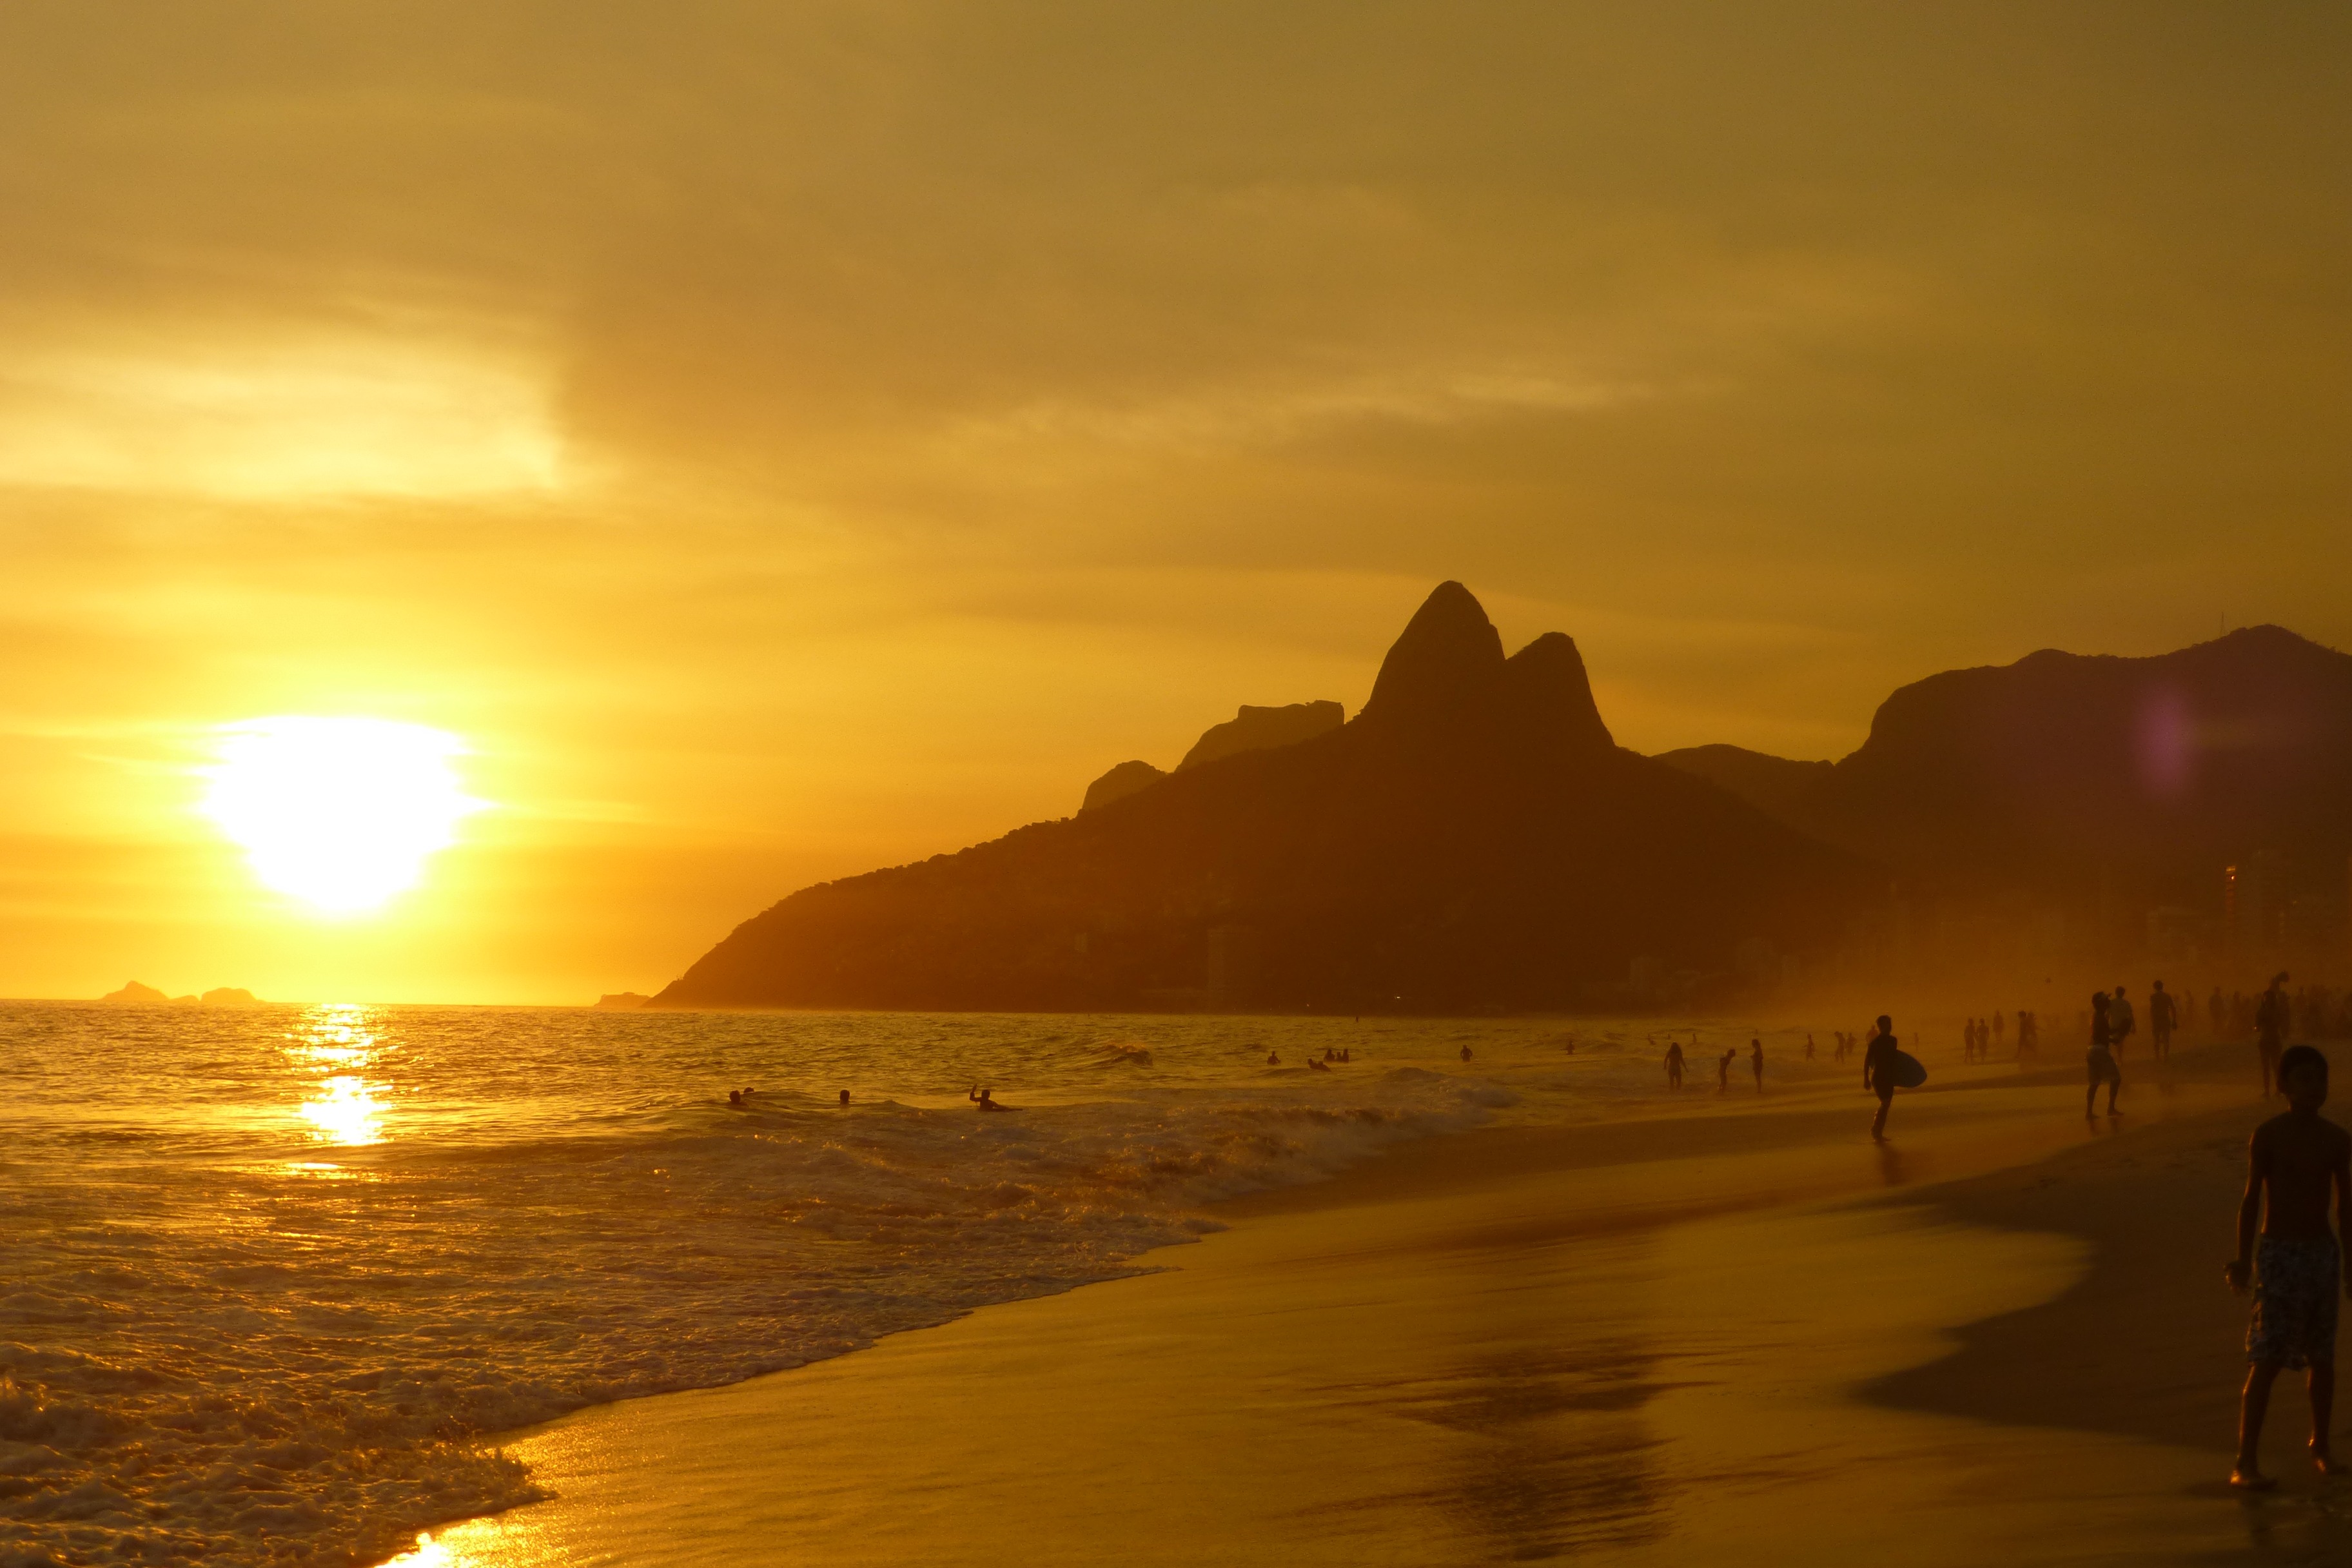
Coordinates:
<point>1120,782</point>
<point>2062,769</point>
<point>1261,729</point>
<point>1250,729</point>
<point>1472,839</point>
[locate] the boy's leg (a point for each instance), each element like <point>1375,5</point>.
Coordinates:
<point>2254,1405</point>
<point>2323,1412</point>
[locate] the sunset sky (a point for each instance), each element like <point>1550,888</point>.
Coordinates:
<point>782,440</point>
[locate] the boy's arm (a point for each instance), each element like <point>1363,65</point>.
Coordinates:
<point>2250,1211</point>
<point>2342,1176</point>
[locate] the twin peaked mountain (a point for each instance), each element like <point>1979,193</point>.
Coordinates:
<point>1472,838</point>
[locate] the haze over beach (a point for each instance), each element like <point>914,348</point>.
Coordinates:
<point>1359,783</point>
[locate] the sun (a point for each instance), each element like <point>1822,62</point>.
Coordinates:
<point>339,813</point>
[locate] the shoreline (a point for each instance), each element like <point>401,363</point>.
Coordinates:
<point>1627,1288</point>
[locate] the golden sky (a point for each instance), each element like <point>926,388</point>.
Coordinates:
<point>782,440</point>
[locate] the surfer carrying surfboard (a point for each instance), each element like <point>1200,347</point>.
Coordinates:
<point>1886,1068</point>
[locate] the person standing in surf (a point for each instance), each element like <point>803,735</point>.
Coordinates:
<point>2270,1031</point>
<point>1878,1073</point>
<point>2101,1060</point>
<point>1674,1064</point>
<point>2163,1017</point>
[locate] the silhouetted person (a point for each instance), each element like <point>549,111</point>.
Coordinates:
<point>1273,1060</point>
<point>2121,1022</point>
<point>2269,1030</point>
<point>735,1098</point>
<point>1723,1070</point>
<point>1466,1053</point>
<point>2102,1058</point>
<point>2162,1015</point>
<point>1755,1060</point>
<point>2297,1165</point>
<point>1344,1057</point>
<point>985,1099</point>
<point>2029,1035</point>
<point>844,1097</point>
<point>1674,1064</point>
<point>1878,1073</point>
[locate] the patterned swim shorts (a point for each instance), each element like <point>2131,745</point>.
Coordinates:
<point>2297,1282</point>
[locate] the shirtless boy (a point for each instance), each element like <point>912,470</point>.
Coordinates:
<point>2299,1163</point>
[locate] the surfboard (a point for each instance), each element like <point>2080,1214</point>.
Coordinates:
<point>1909,1071</point>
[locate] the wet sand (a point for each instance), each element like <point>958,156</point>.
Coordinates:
<point>1738,1332</point>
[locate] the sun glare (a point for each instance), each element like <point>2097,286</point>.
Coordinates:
<point>339,813</point>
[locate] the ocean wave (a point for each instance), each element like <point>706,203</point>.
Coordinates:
<point>278,1325</point>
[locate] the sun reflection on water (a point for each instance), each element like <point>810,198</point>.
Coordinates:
<point>340,1104</point>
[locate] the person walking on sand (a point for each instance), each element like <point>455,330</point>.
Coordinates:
<point>2162,1015</point>
<point>2102,1058</point>
<point>1755,1060</point>
<point>2269,1030</point>
<point>1878,1074</point>
<point>1674,1064</point>
<point>2297,1165</point>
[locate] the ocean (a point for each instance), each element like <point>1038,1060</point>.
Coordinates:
<point>269,1276</point>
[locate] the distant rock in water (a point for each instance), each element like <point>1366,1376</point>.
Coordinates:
<point>2088,778</point>
<point>1122,781</point>
<point>134,994</point>
<point>1262,729</point>
<point>1473,840</point>
<point>229,996</point>
<point>622,1001</point>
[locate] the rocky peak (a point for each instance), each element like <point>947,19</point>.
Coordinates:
<point>1261,729</point>
<point>1446,668</point>
<point>1546,693</point>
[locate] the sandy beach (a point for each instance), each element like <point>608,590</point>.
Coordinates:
<point>1736,1332</point>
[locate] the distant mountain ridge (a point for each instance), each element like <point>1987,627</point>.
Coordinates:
<point>2151,772</point>
<point>1472,839</point>
<point>1250,729</point>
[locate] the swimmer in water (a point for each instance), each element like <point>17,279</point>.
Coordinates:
<point>1466,1053</point>
<point>844,1097</point>
<point>1273,1060</point>
<point>735,1098</point>
<point>985,1099</point>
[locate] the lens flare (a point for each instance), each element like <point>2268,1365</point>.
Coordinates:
<point>342,814</point>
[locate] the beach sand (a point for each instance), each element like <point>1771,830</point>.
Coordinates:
<point>1737,1332</point>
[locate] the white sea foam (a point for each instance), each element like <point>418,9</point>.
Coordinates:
<point>267,1278</point>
